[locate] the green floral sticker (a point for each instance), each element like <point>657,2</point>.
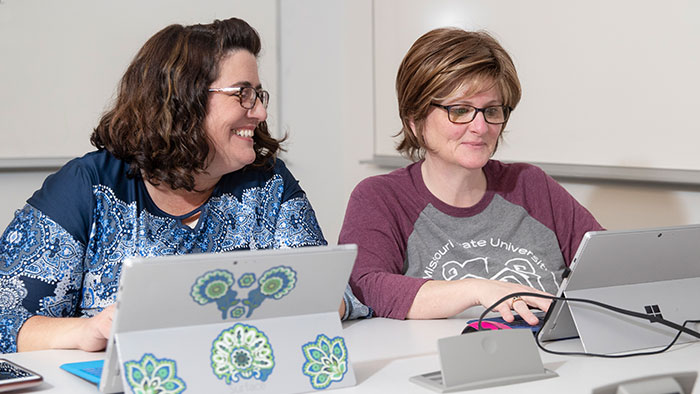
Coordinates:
<point>326,361</point>
<point>219,287</point>
<point>277,282</point>
<point>242,351</point>
<point>152,375</point>
<point>212,286</point>
<point>237,312</point>
<point>246,280</point>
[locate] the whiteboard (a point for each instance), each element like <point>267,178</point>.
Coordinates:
<point>62,61</point>
<point>605,83</point>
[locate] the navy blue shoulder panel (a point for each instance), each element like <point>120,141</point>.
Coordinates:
<point>67,195</point>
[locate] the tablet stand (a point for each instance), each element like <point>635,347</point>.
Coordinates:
<point>485,359</point>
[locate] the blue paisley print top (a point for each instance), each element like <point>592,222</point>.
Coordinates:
<point>61,255</point>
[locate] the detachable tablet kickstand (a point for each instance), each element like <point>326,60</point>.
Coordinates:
<point>485,359</point>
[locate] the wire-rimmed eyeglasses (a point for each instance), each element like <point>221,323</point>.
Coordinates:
<point>247,95</point>
<point>462,113</point>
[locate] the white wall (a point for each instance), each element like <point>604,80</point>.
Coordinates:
<point>619,205</point>
<point>62,60</point>
<point>591,72</point>
<point>325,89</point>
<point>326,104</point>
<point>16,187</point>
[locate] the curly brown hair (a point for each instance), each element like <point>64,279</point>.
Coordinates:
<point>442,62</point>
<point>156,123</point>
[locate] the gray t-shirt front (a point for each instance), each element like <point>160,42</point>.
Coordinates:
<point>502,242</point>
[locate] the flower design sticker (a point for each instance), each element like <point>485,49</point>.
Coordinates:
<point>237,312</point>
<point>215,286</point>
<point>218,287</point>
<point>277,282</point>
<point>242,351</point>
<point>246,280</point>
<point>153,375</point>
<point>326,361</point>
<point>212,286</point>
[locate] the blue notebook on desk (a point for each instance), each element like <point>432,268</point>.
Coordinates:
<point>88,370</point>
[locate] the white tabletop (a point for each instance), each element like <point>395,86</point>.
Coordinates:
<point>385,353</point>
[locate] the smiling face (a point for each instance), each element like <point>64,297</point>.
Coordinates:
<point>468,145</point>
<point>229,126</point>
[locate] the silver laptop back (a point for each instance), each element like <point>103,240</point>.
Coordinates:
<point>652,271</point>
<point>168,293</point>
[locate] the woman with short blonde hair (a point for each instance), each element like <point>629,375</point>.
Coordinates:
<point>456,228</point>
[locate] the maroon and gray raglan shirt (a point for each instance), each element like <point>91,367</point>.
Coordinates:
<point>525,229</point>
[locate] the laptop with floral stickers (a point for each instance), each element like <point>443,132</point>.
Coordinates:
<point>264,321</point>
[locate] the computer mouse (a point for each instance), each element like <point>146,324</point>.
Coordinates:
<point>473,326</point>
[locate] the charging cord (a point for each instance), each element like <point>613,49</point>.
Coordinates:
<point>653,319</point>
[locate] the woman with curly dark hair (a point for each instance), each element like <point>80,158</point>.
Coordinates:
<point>185,164</point>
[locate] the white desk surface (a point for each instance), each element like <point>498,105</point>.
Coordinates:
<point>385,353</point>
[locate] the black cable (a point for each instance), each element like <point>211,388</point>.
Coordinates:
<point>653,319</point>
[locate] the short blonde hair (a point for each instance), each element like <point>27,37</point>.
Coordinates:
<point>441,62</point>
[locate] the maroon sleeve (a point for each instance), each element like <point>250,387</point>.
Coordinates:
<point>548,202</point>
<point>571,219</point>
<point>379,220</point>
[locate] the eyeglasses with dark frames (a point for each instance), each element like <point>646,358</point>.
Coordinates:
<point>462,113</point>
<point>247,95</point>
